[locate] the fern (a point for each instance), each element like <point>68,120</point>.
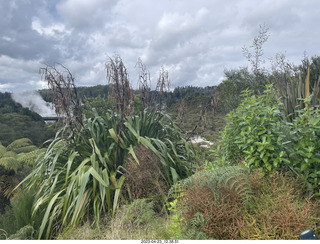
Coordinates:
<point>194,234</point>
<point>197,220</point>
<point>234,178</point>
<point>9,154</point>
<point>25,149</point>
<point>30,157</point>
<point>212,196</point>
<point>10,163</point>
<point>7,184</point>
<point>2,150</point>
<point>20,143</point>
<point>3,234</point>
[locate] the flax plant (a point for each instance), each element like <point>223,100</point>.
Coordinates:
<point>83,182</point>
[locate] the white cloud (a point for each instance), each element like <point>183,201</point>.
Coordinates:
<point>195,40</point>
<point>18,73</point>
<point>52,31</point>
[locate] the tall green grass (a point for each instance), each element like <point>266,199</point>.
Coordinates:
<point>81,179</point>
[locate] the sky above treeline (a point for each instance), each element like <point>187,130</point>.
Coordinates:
<point>195,40</point>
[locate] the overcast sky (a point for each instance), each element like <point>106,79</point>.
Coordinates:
<point>195,40</point>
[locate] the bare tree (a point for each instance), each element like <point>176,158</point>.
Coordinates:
<point>163,85</point>
<point>182,110</point>
<point>214,102</point>
<point>202,118</point>
<point>255,53</point>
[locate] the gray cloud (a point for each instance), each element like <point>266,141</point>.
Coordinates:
<point>194,40</point>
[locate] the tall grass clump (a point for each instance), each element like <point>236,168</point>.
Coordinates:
<point>81,175</point>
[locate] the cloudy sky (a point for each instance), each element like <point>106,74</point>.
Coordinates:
<point>195,40</point>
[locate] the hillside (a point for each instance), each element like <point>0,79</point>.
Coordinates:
<point>18,122</point>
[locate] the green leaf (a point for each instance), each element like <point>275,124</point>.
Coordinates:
<point>174,174</point>
<point>116,195</point>
<point>95,174</point>
<point>303,167</point>
<point>131,151</point>
<point>46,215</point>
<point>83,183</point>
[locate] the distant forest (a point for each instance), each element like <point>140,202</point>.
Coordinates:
<point>18,122</point>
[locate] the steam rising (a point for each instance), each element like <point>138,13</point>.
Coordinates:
<point>33,101</point>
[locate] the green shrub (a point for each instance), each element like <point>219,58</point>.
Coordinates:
<point>139,212</point>
<point>304,148</point>
<point>18,216</point>
<point>7,222</point>
<point>22,209</point>
<point>174,229</point>
<point>25,233</point>
<point>255,133</point>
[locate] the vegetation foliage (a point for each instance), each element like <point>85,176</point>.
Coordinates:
<point>121,168</point>
<point>81,173</point>
<point>255,133</point>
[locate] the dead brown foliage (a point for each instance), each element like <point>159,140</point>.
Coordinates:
<point>279,210</point>
<point>120,89</point>
<point>145,179</point>
<point>221,216</point>
<point>64,95</point>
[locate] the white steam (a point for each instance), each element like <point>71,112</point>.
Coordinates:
<point>33,101</point>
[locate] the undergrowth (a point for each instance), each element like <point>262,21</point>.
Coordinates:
<point>217,205</point>
<point>280,209</point>
<point>136,221</point>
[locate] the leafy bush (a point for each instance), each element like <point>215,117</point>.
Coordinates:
<point>7,222</point>
<point>25,233</point>
<point>255,133</point>
<point>139,212</point>
<point>304,148</point>
<point>174,229</point>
